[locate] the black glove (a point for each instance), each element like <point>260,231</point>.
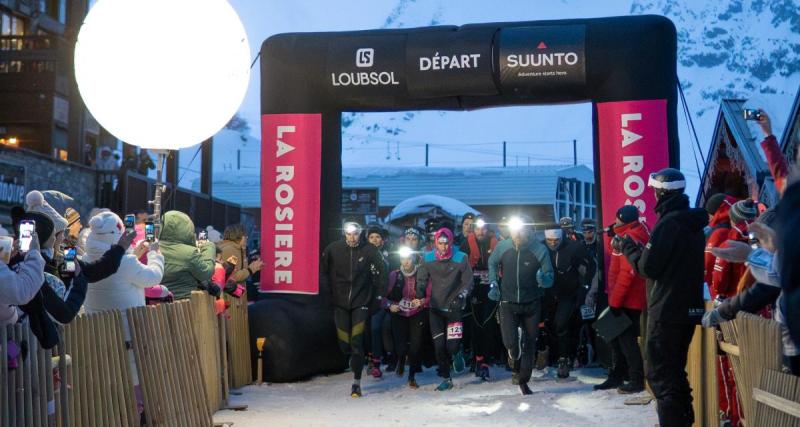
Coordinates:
<point>610,230</point>
<point>616,311</point>
<point>616,243</point>
<point>629,246</point>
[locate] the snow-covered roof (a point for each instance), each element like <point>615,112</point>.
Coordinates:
<point>534,185</point>
<point>423,204</point>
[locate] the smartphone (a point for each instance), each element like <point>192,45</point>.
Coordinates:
<point>130,221</point>
<point>26,229</point>
<point>752,240</point>
<point>69,259</point>
<point>752,114</point>
<point>202,236</point>
<point>150,231</point>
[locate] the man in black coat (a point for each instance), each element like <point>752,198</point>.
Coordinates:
<point>672,262</point>
<point>573,267</point>
<point>357,277</point>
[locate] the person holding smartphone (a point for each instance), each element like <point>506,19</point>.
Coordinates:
<point>22,283</point>
<point>186,264</point>
<point>234,243</point>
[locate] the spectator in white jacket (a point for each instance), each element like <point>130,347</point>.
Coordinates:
<point>20,285</point>
<point>125,288</point>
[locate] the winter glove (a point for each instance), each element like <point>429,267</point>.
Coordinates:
<point>711,319</point>
<point>629,247</point>
<point>616,311</point>
<point>610,230</point>
<point>494,292</point>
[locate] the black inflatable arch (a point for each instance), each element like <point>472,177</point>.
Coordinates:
<point>626,66</point>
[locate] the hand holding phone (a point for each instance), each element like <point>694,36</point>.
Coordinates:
<point>202,236</point>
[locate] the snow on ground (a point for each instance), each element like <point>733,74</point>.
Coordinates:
<point>326,401</point>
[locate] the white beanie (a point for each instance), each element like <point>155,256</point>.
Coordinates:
<point>35,202</point>
<point>106,227</point>
<point>554,233</point>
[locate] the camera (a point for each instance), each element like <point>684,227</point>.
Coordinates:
<point>149,232</point>
<point>752,114</point>
<point>130,221</point>
<point>69,259</point>
<point>26,229</point>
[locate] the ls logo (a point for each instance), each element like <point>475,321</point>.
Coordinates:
<point>364,57</point>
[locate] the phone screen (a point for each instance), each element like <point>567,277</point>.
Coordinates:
<point>202,236</point>
<point>26,229</point>
<point>149,231</point>
<point>130,220</point>
<point>69,259</point>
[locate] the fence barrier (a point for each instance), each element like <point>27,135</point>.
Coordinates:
<point>185,356</point>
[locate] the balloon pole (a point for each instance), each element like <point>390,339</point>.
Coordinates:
<point>162,158</point>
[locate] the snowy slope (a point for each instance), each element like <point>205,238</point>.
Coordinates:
<point>325,401</point>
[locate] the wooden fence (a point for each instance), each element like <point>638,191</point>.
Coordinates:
<point>183,354</point>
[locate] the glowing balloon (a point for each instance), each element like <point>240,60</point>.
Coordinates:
<point>163,74</point>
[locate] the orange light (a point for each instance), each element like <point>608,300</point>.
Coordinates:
<point>12,142</point>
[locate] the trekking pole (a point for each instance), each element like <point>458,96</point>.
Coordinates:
<point>260,346</point>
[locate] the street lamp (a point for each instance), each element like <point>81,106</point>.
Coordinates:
<point>162,74</point>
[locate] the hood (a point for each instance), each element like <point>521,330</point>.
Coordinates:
<point>722,216</point>
<point>673,202</point>
<point>695,219</point>
<point>94,248</point>
<point>177,228</point>
<point>449,234</point>
<point>635,229</point>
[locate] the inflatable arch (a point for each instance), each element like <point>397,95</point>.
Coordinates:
<point>626,66</point>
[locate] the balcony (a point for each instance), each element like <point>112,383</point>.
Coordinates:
<point>33,63</point>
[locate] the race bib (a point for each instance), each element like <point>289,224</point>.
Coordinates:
<point>455,330</point>
<point>405,305</point>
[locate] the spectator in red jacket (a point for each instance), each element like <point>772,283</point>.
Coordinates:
<point>726,275</point>
<point>718,206</point>
<point>626,295</point>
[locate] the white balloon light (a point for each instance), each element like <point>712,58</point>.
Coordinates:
<point>162,74</point>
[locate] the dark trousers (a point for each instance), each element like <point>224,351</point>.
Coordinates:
<point>409,333</point>
<point>445,348</point>
<point>625,354</point>
<point>520,349</point>
<point>562,320</point>
<point>667,351</point>
<point>380,338</point>
<point>350,326</point>
<point>484,328</point>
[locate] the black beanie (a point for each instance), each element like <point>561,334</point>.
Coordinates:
<point>374,229</point>
<point>743,210</point>
<point>628,214</point>
<point>44,225</point>
<point>714,202</point>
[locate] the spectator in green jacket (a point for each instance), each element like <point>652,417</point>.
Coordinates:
<point>185,263</point>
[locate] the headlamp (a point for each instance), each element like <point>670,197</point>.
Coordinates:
<point>515,224</point>
<point>405,252</point>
